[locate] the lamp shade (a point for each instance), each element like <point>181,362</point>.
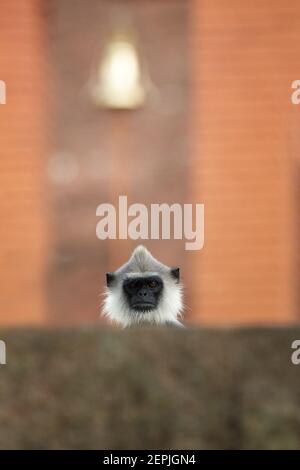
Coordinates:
<point>119,80</point>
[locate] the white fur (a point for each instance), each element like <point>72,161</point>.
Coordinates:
<point>115,306</point>
<point>170,308</point>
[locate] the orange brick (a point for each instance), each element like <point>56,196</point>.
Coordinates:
<point>22,160</point>
<point>244,57</point>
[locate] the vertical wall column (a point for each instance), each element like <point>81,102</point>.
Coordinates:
<point>22,162</point>
<point>245,56</point>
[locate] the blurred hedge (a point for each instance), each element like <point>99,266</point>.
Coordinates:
<point>150,389</point>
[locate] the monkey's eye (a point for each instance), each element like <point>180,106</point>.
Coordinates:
<point>136,284</point>
<point>152,284</point>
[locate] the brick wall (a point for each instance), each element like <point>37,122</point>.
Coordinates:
<point>244,154</point>
<point>141,153</point>
<point>245,134</point>
<point>22,204</point>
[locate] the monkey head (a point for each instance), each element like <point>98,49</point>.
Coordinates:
<point>143,291</point>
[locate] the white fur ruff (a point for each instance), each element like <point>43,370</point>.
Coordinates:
<point>170,308</point>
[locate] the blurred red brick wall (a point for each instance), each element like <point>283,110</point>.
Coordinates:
<point>245,141</point>
<point>22,202</point>
<point>245,56</point>
<point>141,153</point>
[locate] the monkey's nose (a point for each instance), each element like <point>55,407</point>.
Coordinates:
<point>143,293</point>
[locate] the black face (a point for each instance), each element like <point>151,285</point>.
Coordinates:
<point>143,293</point>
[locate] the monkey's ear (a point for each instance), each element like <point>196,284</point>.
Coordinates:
<point>175,272</point>
<point>109,279</point>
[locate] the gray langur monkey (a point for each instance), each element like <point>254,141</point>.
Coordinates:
<point>143,291</point>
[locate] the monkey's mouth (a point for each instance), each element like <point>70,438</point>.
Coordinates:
<point>143,307</point>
